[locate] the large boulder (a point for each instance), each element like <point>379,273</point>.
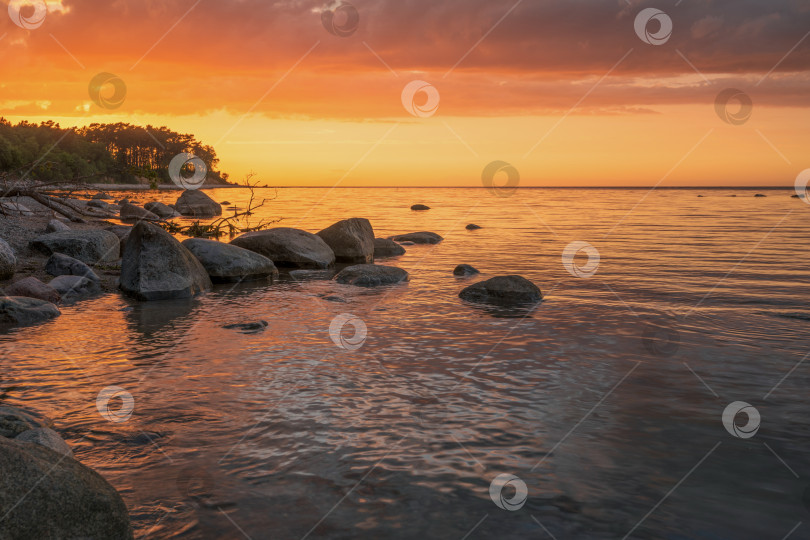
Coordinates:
<point>130,212</point>
<point>55,225</point>
<point>352,240</point>
<point>31,287</point>
<point>122,232</point>
<point>60,264</point>
<point>8,261</point>
<point>423,237</point>
<point>226,263</point>
<point>383,247</point>
<point>74,287</point>
<point>47,495</point>
<point>161,210</point>
<point>196,203</point>
<point>157,267</point>
<point>504,290</point>
<point>371,275</point>
<point>90,247</point>
<point>20,311</point>
<point>14,421</point>
<point>288,247</point>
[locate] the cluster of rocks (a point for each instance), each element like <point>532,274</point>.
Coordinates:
<point>156,266</point>
<point>45,492</point>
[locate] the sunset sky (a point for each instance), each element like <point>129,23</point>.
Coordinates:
<point>566,91</point>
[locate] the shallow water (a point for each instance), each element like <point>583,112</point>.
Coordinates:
<point>606,400</point>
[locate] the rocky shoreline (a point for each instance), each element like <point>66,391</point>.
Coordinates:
<point>47,260</point>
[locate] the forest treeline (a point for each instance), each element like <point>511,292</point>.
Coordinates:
<point>98,153</point>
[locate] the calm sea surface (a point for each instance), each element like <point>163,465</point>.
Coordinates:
<point>606,401</point>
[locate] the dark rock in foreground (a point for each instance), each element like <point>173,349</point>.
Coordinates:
<point>8,261</point>
<point>503,290</point>
<point>14,421</point>
<point>288,247</point>
<point>383,247</point>
<point>420,207</point>
<point>46,437</point>
<point>31,287</point>
<point>227,263</point>
<point>371,275</point>
<point>423,237</point>
<point>90,247</point>
<point>62,265</point>
<point>472,227</point>
<point>47,495</point>
<point>352,240</point>
<point>157,267</point>
<point>20,311</point>
<point>197,204</point>
<point>464,270</point>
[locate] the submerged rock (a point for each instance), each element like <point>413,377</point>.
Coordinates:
<point>90,247</point>
<point>248,328</point>
<point>423,237</point>
<point>74,287</point>
<point>371,275</point>
<point>161,210</point>
<point>352,240</point>
<point>760,195</point>
<point>195,203</point>
<point>20,311</point>
<point>464,270</point>
<point>227,263</point>
<point>46,437</point>
<point>47,495</point>
<point>61,265</point>
<point>420,207</point>
<point>503,290</point>
<point>383,247</point>
<point>157,267</point>
<point>288,247</point>
<point>55,225</point>
<point>472,227</point>
<point>8,261</point>
<point>31,287</point>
